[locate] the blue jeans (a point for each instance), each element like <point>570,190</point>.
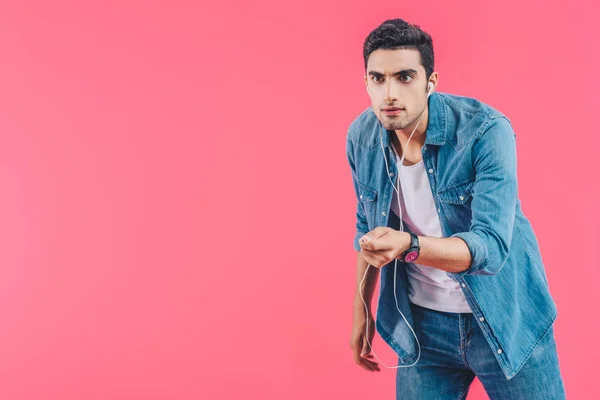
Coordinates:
<point>454,351</point>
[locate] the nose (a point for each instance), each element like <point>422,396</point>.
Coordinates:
<point>392,91</point>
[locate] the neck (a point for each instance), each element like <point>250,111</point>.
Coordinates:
<point>418,137</point>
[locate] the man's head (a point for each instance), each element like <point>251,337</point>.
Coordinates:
<point>399,64</point>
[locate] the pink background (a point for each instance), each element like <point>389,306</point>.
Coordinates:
<point>177,208</point>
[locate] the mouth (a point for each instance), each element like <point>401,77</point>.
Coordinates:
<point>390,111</point>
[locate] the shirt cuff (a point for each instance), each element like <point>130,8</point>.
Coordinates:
<point>357,237</point>
<point>478,251</point>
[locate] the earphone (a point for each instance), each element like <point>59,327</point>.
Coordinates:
<point>430,88</point>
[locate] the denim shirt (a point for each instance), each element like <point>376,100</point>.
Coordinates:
<point>470,158</point>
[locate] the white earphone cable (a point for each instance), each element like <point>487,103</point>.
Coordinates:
<point>397,190</point>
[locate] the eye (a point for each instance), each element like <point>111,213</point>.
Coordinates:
<point>408,78</point>
<point>378,79</point>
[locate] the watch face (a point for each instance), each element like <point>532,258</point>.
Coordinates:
<point>412,256</point>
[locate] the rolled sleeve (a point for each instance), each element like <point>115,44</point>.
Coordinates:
<point>361,226</point>
<point>478,251</point>
<point>494,199</point>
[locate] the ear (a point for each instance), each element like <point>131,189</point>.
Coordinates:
<point>434,78</point>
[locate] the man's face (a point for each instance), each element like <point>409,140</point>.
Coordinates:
<point>396,79</point>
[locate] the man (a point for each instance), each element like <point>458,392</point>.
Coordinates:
<point>463,291</point>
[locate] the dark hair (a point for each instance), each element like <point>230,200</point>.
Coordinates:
<point>396,34</point>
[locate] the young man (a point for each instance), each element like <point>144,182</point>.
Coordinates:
<point>440,222</point>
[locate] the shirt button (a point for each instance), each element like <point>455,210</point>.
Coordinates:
<point>383,213</point>
<point>463,285</point>
<point>481,319</point>
<point>462,197</point>
<point>430,170</point>
<point>361,196</point>
<point>391,174</point>
<point>499,351</point>
<point>424,148</point>
<point>439,211</point>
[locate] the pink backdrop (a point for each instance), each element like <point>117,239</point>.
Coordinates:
<point>177,209</point>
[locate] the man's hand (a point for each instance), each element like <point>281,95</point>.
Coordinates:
<point>382,245</point>
<point>358,341</point>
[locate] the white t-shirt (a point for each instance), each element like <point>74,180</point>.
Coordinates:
<point>427,286</point>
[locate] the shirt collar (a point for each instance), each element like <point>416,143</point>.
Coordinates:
<point>435,133</point>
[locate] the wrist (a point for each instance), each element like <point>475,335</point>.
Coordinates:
<point>403,244</point>
<point>359,305</point>
<point>411,250</point>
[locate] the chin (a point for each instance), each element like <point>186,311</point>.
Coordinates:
<point>388,123</point>
<point>394,125</point>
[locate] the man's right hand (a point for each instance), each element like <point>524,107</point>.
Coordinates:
<point>358,342</point>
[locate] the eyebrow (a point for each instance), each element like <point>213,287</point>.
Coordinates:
<point>403,72</point>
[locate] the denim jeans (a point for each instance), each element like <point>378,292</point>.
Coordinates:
<point>454,351</point>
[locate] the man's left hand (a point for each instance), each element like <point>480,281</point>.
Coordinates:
<point>382,245</point>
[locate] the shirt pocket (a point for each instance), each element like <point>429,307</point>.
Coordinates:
<point>368,197</point>
<point>456,201</point>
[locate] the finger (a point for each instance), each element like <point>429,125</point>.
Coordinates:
<point>367,256</point>
<point>362,362</point>
<point>367,356</point>
<point>373,244</point>
<point>366,243</point>
<point>371,361</point>
<point>373,258</point>
<point>366,364</point>
<point>370,365</point>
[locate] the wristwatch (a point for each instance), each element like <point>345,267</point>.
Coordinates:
<point>413,251</point>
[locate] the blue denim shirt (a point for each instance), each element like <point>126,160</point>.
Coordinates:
<point>470,158</point>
